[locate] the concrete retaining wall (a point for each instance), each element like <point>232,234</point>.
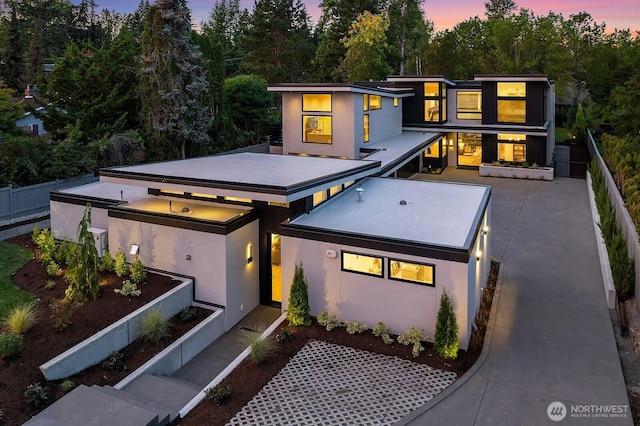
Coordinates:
<point>115,337</point>
<point>182,350</point>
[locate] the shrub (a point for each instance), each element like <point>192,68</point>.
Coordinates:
<point>66,251</point>
<point>328,321</point>
<point>121,267</point>
<point>261,347</point>
<point>36,395</point>
<point>154,326</point>
<point>62,311</point>
<point>354,327</point>
<point>115,361</point>
<point>218,394</point>
<point>284,336</point>
<point>53,270</point>
<point>298,312</point>
<point>50,284</point>
<point>188,314</point>
<point>128,289</point>
<point>382,330</point>
<point>10,345</point>
<point>20,318</point>
<point>82,270</point>
<point>107,263</point>
<point>413,336</point>
<point>67,386</point>
<point>1,416</point>
<point>446,338</point>
<point>46,242</point>
<point>137,272</point>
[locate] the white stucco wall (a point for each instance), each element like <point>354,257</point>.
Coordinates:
<point>357,297</point>
<point>384,123</point>
<point>65,219</point>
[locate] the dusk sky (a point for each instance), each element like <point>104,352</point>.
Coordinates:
<point>621,14</point>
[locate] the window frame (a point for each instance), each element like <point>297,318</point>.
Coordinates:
<point>366,130</point>
<point>502,99</point>
<point>317,110</point>
<point>304,132</point>
<point>477,113</point>
<point>422,283</point>
<point>369,274</point>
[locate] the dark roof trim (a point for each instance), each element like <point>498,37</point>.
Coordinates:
<point>181,222</point>
<point>470,242</point>
<point>483,128</point>
<point>82,200</point>
<point>408,155</point>
<point>239,186</point>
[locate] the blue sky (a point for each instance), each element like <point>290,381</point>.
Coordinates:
<point>621,14</point>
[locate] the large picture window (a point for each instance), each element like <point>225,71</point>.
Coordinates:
<point>431,89</point>
<point>362,264</point>
<point>512,147</point>
<point>469,105</point>
<point>432,110</point>
<point>512,108</point>
<point>316,102</point>
<point>317,128</point>
<point>417,273</point>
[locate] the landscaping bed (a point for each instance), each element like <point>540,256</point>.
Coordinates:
<point>44,341</point>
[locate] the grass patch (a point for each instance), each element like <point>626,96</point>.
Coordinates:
<point>12,258</point>
<point>562,134</point>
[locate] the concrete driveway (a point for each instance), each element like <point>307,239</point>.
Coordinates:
<point>552,339</point>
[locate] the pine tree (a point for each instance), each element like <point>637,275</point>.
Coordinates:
<point>446,337</point>
<point>298,312</point>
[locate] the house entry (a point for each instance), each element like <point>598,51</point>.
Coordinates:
<point>276,269</point>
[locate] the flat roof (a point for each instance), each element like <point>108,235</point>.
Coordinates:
<point>436,214</point>
<point>108,191</point>
<point>341,87</point>
<point>217,212</point>
<point>394,152</point>
<point>265,177</point>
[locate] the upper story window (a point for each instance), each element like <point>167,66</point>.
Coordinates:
<point>469,105</point>
<point>512,105</point>
<point>362,264</point>
<point>416,273</point>
<point>365,101</point>
<point>431,89</point>
<point>435,102</point>
<point>396,102</point>
<point>366,128</point>
<point>317,128</point>
<point>319,102</point>
<point>372,102</point>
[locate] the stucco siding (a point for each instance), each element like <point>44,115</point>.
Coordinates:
<point>65,219</point>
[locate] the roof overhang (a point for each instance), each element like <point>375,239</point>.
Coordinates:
<point>421,79</point>
<point>333,88</point>
<point>514,78</point>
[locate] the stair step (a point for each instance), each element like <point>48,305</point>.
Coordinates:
<point>165,415</point>
<point>182,382</point>
<point>166,392</point>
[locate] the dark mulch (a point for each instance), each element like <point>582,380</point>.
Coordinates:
<point>43,341</point>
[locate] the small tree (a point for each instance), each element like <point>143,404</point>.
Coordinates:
<point>83,270</point>
<point>121,267</point>
<point>298,311</point>
<point>446,337</point>
<point>579,128</point>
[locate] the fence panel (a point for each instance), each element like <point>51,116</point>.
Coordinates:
<point>18,202</point>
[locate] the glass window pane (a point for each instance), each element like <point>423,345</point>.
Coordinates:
<point>375,102</point>
<point>334,190</point>
<point>396,101</point>
<point>469,149</point>
<point>433,151</point>
<point>469,105</point>
<point>366,128</point>
<point>512,152</point>
<point>512,111</point>
<point>431,110</point>
<point>317,128</point>
<point>444,109</point>
<point>319,197</point>
<point>365,102</point>
<point>512,90</point>
<point>362,264</point>
<point>412,272</point>
<point>432,89</point>
<point>316,102</point>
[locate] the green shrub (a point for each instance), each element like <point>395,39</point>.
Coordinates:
<point>107,264</point>
<point>328,321</point>
<point>67,386</point>
<point>446,338</point>
<point>354,327</point>
<point>154,326</point>
<point>137,272</point>
<point>382,330</point>
<point>284,336</point>
<point>66,251</point>
<point>46,242</point>
<point>1,417</point>
<point>298,312</point>
<point>218,394</point>
<point>413,336</point>
<point>36,395</point>
<point>128,289</point>
<point>20,318</point>
<point>50,284</point>
<point>261,347</point>
<point>82,270</point>
<point>53,269</point>
<point>121,267</point>
<point>10,345</point>
<point>62,311</point>
<point>115,361</point>
<point>188,314</point>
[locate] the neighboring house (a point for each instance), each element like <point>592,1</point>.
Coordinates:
<point>374,247</point>
<point>29,122</point>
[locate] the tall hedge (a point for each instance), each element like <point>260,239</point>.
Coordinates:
<point>298,312</point>
<point>446,338</point>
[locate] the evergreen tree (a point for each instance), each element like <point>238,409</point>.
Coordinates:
<point>446,337</point>
<point>12,67</point>
<point>579,128</point>
<point>225,27</point>
<point>82,271</point>
<point>499,9</point>
<point>298,312</point>
<point>278,41</point>
<point>246,105</point>
<point>172,78</point>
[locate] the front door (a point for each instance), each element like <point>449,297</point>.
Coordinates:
<point>276,269</point>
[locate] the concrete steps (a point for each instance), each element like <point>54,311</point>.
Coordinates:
<point>163,414</point>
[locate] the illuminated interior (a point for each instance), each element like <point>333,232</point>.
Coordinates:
<point>317,128</point>
<point>316,102</point>
<point>469,149</point>
<point>414,272</point>
<point>363,264</point>
<point>510,111</point>
<point>193,209</point>
<point>432,89</point>
<point>512,90</point>
<point>469,105</point>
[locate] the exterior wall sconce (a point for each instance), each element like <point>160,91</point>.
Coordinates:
<point>478,256</point>
<point>249,253</point>
<point>135,250</point>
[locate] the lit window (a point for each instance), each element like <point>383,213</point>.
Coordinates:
<point>432,89</point>
<point>278,204</point>
<point>334,190</point>
<point>375,102</point>
<point>348,184</point>
<point>469,105</point>
<point>316,102</point>
<point>319,197</point>
<point>433,151</point>
<point>171,191</point>
<point>366,128</point>
<point>417,273</point>
<point>396,102</point>
<point>512,111</point>
<point>362,264</point>
<point>444,108</point>
<point>238,199</point>
<point>366,102</point>
<point>317,128</point>
<point>431,110</point>
<point>512,90</point>
<point>512,151</point>
<point>200,195</point>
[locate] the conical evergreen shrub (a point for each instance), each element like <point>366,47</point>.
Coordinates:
<point>298,312</point>
<point>446,337</point>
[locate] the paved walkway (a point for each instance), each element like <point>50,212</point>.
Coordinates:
<point>552,338</point>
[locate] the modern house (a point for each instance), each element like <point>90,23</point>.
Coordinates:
<point>374,247</point>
